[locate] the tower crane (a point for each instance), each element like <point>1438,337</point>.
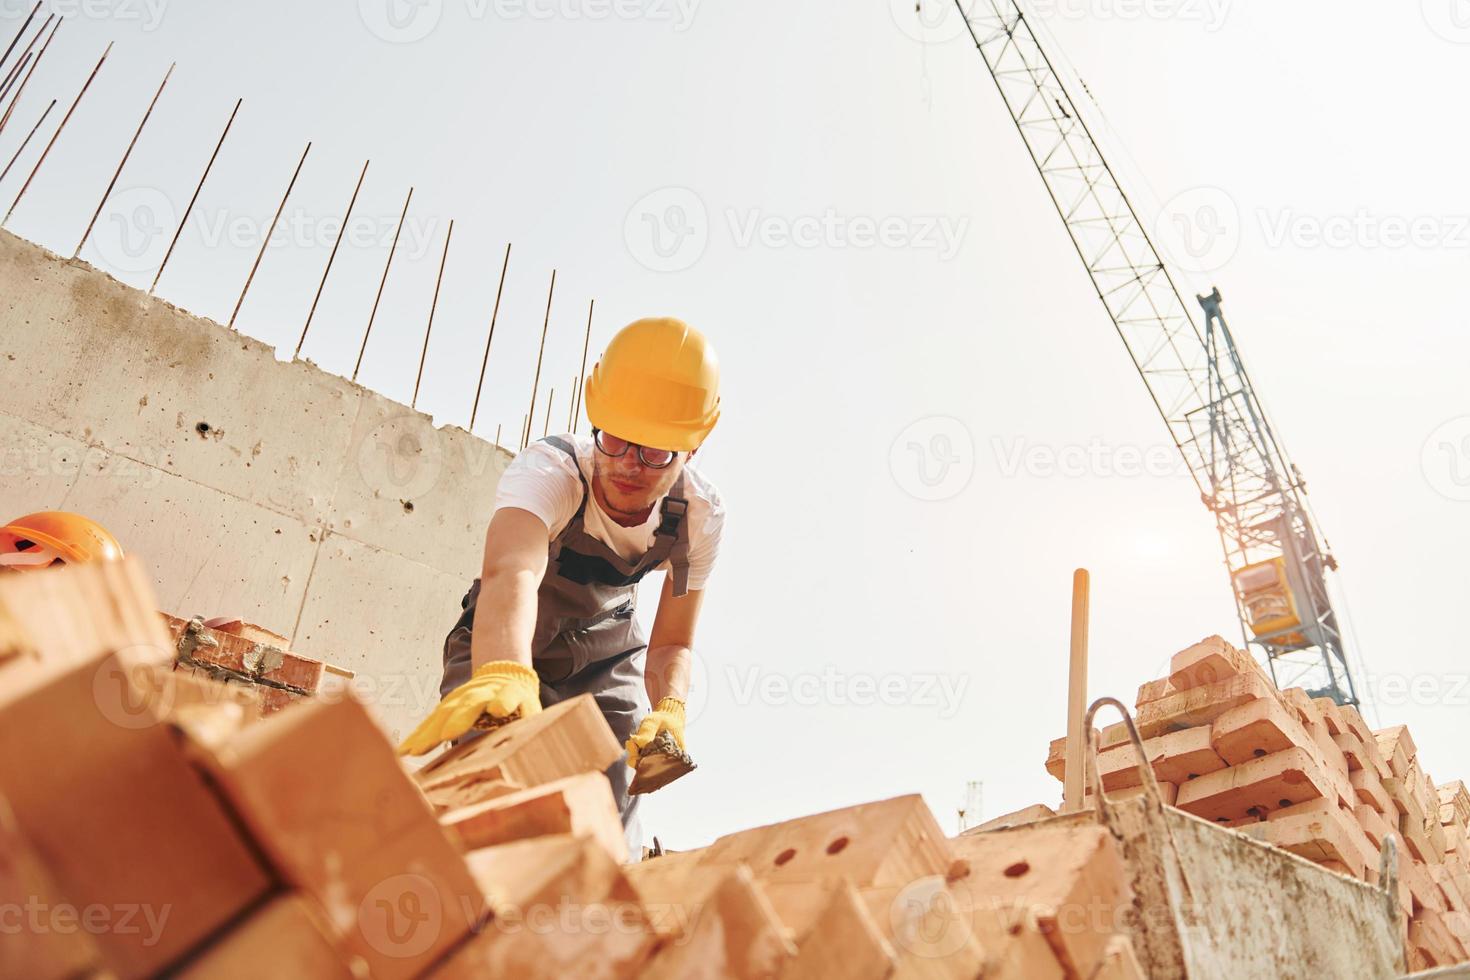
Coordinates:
<point>1276,556</point>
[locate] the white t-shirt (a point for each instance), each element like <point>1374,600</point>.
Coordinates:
<point>542,480</point>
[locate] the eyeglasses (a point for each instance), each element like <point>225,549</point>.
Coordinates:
<point>654,459</point>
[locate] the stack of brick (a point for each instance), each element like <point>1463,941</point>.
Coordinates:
<point>149,825</point>
<point>246,656</point>
<point>1304,774</point>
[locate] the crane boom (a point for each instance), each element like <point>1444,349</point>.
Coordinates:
<point>1275,555</point>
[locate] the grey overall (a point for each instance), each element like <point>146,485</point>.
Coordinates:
<point>586,639</point>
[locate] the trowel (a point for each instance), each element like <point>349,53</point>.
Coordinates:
<point>659,764</point>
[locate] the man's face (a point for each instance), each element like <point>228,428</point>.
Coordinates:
<point>626,487</point>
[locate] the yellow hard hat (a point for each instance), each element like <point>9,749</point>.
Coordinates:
<point>657,384</point>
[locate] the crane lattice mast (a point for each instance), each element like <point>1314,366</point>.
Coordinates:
<point>1276,557</point>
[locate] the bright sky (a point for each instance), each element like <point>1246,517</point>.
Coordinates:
<point>835,194</point>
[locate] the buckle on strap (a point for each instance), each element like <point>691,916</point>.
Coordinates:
<point>672,515</point>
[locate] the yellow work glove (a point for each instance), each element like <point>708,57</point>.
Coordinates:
<point>498,689</point>
<point>667,717</point>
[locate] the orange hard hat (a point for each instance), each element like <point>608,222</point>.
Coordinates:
<point>42,539</point>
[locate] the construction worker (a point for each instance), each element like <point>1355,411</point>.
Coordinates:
<point>54,537</point>
<point>578,521</point>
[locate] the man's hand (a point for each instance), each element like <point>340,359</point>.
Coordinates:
<point>667,717</point>
<point>499,689</point>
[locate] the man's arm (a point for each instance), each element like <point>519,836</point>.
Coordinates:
<point>671,647</point>
<point>505,613</point>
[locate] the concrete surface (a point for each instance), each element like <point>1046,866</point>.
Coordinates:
<point>251,487</point>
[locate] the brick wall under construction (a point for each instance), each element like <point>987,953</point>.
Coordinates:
<point>265,490</point>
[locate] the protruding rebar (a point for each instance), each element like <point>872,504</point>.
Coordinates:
<point>27,141</point>
<point>546,426</point>
<point>572,405</point>
<point>265,242</point>
<point>536,384</point>
<point>25,56</point>
<point>582,378</point>
<point>64,120</point>
<point>22,32</point>
<point>381,283</point>
<point>21,88</point>
<point>331,258</point>
<point>184,222</point>
<point>497,435</point>
<point>13,74</point>
<point>479,386</point>
<point>424,356</point>
<point>123,163</point>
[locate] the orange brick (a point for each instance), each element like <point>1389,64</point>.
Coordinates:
<point>1071,878</point>
<point>845,942</point>
<point>580,804</point>
<point>1369,789</point>
<point>1331,714</point>
<point>1278,780</point>
<point>1398,749</point>
<point>285,940</point>
<point>568,738</point>
<point>1456,797</point>
<point>891,842</point>
<point>928,928</point>
<point>1323,832</point>
<point>736,934</point>
<point>1168,792</point>
<point>350,830</point>
<point>109,800</point>
<point>1152,691</point>
<point>672,888</point>
<point>1373,824</point>
<point>34,947</point>
<point>563,908</point>
<point>1256,729</point>
<point>1209,661</point>
<point>1200,705</point>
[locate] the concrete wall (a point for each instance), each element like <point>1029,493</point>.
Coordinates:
<point>271,491</point>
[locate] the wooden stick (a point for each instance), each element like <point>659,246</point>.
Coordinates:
<point>1074,787</point>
